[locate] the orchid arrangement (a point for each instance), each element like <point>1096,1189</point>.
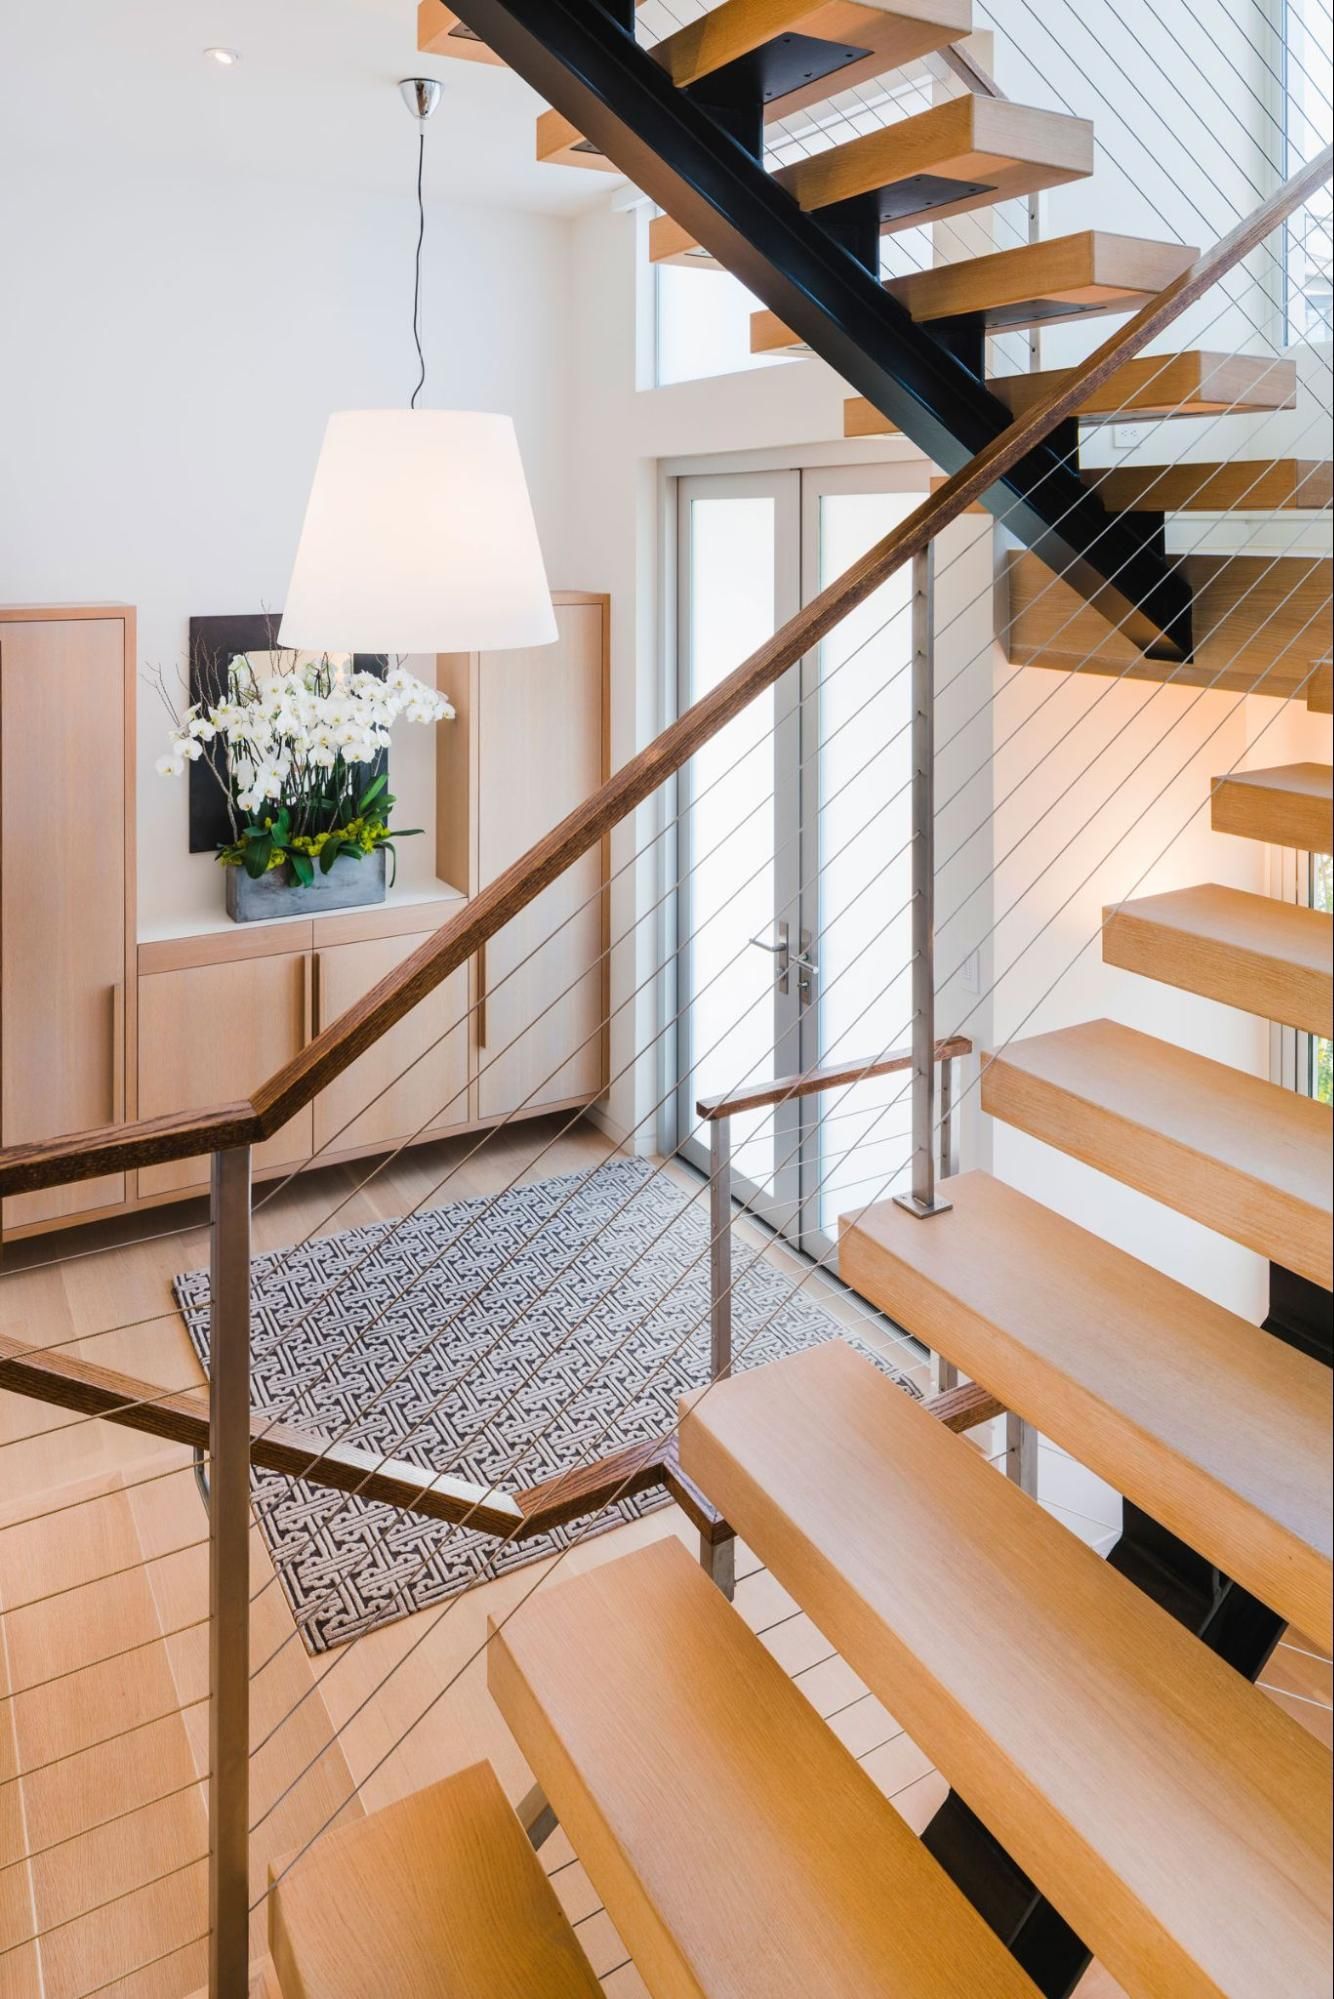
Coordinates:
<point>298,745</point>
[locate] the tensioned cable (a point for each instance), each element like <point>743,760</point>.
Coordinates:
<point>1121,837</point>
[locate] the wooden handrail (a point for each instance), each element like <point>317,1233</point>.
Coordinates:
<point>182,1417</point>
<point>124,1148</point>
<point>810,1083</point>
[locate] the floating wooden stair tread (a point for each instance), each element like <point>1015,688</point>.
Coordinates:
<point>1216,1431</point>
<point>439,1896</point>
<point>1070,277</point>
<point>1175,1817</point>
<point>738,1847</point>
<point>963,154</point>
<point>803,51</point>
<point>1259,622</point>
<point>1190,384</point>
<point>1290,806</point>
<point>1238,1154</point>
<point>1249,951</point>
<point>1269,486</point>
<point>1320,689</point>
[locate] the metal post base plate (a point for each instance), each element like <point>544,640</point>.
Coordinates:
<point>922,1209</point>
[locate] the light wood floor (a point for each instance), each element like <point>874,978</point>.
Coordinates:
<point>103,1589</point>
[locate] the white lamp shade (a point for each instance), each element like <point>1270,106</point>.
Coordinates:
<point>419,537</point>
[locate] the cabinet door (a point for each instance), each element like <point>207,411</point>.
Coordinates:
<point>540,753</point>
<point>210,1034</point>
<point>414,1076</point>
<point>62,900</point>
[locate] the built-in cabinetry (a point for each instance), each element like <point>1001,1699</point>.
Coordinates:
<point>93,1030</point>
<point>67,748</point>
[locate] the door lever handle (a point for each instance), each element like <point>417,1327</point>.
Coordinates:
<point>782,951</point>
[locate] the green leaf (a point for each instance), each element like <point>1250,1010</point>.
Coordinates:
<point>373,791</point>
<point>255,860</point>
<point>328,855</point>
<point>301,868</point>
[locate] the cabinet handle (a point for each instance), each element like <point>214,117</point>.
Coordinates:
<point>118,1052</point>
<point>312,994</point>
<point>481,996</point>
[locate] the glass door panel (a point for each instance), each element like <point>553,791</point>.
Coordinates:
<point>738,569</point>
<point>858,801</point>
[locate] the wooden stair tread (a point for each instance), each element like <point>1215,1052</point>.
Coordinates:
<point>1259,622</point>
<point>1220,1433</point>
<point>1175,1817</point>
<point>864,37</point>
<point>738,1847</point>
<point>1291,805</point>
<point>1069,277</point>
<point>439,1896</point>
<point>1232,1151</point>
<point>1256,487</point>
<point>1195,383</point>
<point>1249,951</point>
<point>992,148</point>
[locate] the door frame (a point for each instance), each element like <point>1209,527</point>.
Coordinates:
<point>783,487</point>
<point>799,489</point>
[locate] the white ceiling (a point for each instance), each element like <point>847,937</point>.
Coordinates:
<point>105,82</point>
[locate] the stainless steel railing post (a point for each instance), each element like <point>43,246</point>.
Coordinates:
<point>229,1574</point>
<point>922,1201</point>
<point>719,1558</point>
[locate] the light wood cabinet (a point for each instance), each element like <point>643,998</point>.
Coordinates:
<point>415,1078</point>
<point>66,886</point>
<point>530,744</point>
<point>210,1034</point>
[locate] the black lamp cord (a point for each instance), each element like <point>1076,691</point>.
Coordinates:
<point>417,273</point>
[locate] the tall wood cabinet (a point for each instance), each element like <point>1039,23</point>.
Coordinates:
<point>67,931</point>
<point>530,743</point>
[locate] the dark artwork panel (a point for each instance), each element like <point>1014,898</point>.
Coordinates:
<point>214,642</point>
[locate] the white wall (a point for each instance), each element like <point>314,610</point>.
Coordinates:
<point>170,347</point>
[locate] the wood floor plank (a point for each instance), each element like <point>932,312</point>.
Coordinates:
<point>1176,1818</point>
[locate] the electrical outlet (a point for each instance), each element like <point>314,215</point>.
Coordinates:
<point>1126,435</point>
<point>970,974</point>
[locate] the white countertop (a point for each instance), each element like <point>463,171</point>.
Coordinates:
<point>207,922</point>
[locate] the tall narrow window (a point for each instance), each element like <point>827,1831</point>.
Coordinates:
<point>1308,49</point>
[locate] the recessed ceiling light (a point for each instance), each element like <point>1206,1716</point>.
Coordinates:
<point>225,58</point>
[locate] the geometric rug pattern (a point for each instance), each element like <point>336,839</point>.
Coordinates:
<point>501,1340</point>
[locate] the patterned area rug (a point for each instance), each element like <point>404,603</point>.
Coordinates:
<point>500,1340</point>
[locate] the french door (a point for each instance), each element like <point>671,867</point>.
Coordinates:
<point>792,915</point>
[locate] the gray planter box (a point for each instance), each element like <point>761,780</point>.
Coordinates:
<point>348,885</point>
